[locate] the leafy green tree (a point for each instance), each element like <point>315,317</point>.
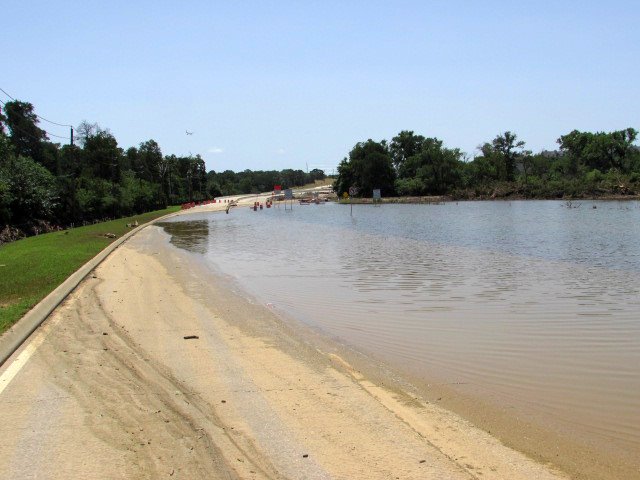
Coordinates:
<point>345,178</point>
<point>292,178</point>
<point>30,190</point>
<point>22,121</point>
<point>541,164</point>
<point>70,164</point>
<point>6,150</point>
<point>169,175</point>
<point>511,150</point>
<point>213,186</point>
<point>150,159</point>
<point>480,172</point>
<point>198,177</point>
<point>27,138</point>
<point>404,146</point>
<point>85,130</point>
<point>130,161</point>
<point>602,151</point>
<point>6,198</point>
<point>3,120</point>
<point>504,153</point>
<point>136,195</point>
<point>369,167</point>
<point>433,170</point>
<point>102,156</point>
<point>316,174</point>
<point>440,170</point>
<point>409,186</point>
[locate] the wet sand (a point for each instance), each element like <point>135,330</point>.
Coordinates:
<point>115,390</point>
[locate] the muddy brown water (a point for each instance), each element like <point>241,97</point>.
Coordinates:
<point>528,304</point>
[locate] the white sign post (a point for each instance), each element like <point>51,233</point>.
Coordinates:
<point>353,191</point>
<point>288,195</point>
<point>377,197</point>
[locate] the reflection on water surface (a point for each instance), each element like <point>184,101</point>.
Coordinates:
<point>191,235</point>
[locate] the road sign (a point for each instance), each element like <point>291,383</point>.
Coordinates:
<point>353,191</point>
<point>376,194</point>
<point>288,194</point>
<point>277,188</point>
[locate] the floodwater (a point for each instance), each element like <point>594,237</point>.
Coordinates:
<point>534,303</point>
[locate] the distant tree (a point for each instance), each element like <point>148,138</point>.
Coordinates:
<point>227,181</point>
<point>404,146</point>
<point>102,156</point>
<point>137,195</point>
<point>85,130</point>
<point>316,174</point>
<point>292,178</point>
<point>193,175</point>
<point>504,153</point>
<point>540,164</point>
<point>168,172</point>
<point>511,150</point>
<point>6,197</point>
<point>433,170</point>
<point>480,172</point>
<point>27,138</point>
<point>601,150</point>
<point>213,186</point>
<point>30,190</point>
<point>130,161</point>
<point>369,167</point>
<point>150,158</point>
<point>6,150</point>
<point>70,165</point>
<point>345,178</point>
<point>3,120</point>
<point>526,163</point>
<point>199,177</point>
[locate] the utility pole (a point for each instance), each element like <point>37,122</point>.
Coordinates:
<point>71,142</point>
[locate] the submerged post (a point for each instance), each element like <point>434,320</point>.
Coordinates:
<point>353,191</point>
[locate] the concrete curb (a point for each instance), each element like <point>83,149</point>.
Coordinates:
<point>13,338</point>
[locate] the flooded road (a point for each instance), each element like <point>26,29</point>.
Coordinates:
<point>527,304</point>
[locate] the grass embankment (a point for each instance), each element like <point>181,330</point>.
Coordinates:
<point>32,268</point>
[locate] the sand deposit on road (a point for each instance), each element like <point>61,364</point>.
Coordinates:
<point>116,391</point>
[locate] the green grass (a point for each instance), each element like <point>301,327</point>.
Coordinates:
<point>32,268</point>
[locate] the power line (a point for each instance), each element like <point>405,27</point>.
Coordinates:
<point>54,123</point>
<point>41,118</point>
<point>33,136</point>
<point>57,136</point>
<point>7,95</point>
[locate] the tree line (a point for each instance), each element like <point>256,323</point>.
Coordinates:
<point>585,164</point>
<point>257,181</point>
<point>45,185</point>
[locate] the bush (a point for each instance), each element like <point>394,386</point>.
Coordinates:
<point>29,189</point>
<point>594,176</point>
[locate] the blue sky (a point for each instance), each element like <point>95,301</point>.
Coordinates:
<point>273,85</point>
